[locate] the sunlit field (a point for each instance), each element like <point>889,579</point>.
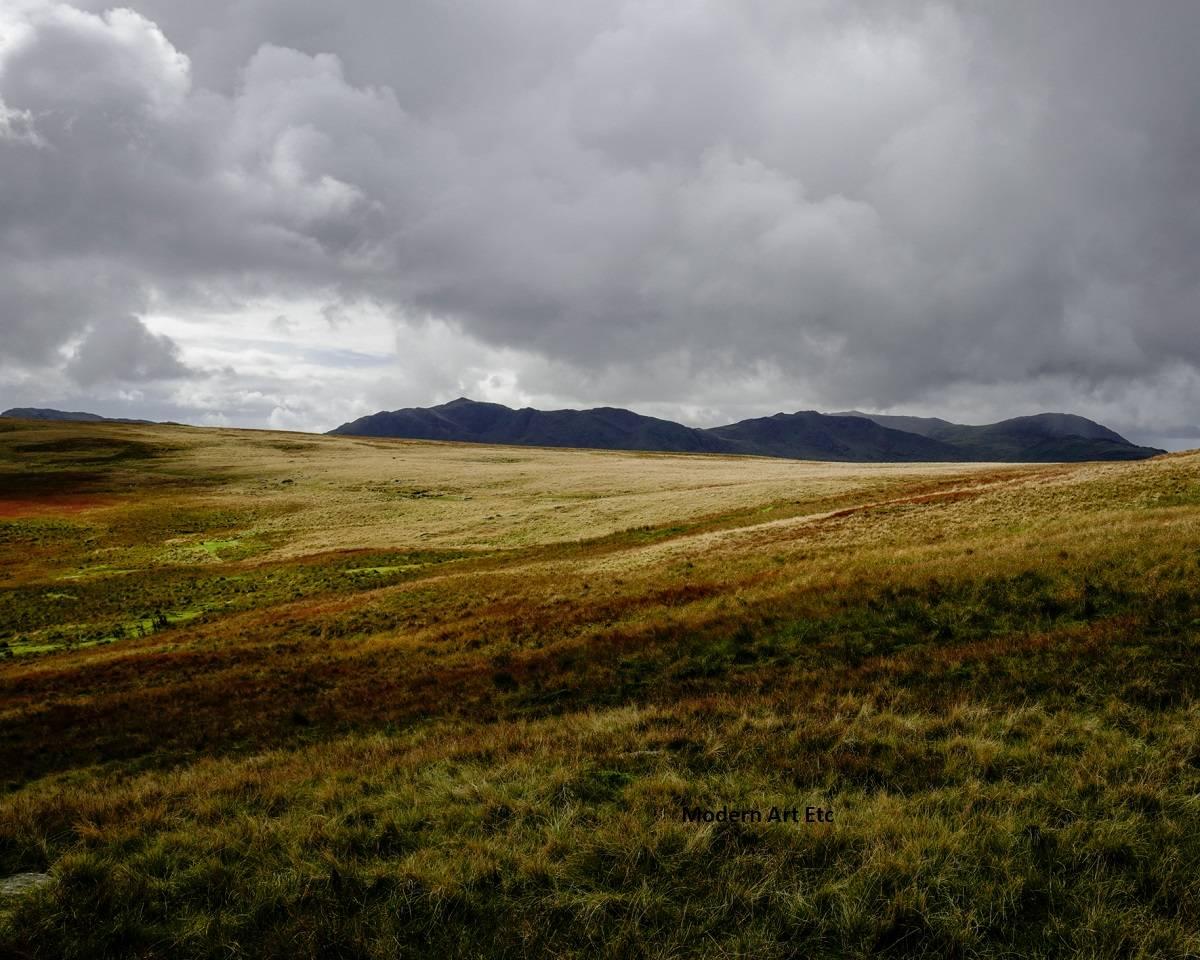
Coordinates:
<point>281,695</point>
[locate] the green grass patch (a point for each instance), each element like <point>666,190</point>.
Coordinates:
<point>47,532</point>
<point>215,548</point>
<point>110,604</point>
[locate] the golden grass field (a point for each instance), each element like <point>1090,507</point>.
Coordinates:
<point>275,694</point>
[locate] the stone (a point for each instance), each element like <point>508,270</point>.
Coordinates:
<point>20,883</point>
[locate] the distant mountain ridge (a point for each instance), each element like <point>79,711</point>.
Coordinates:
<point>46,413</point>
<point>606,428</point>
<point>1043,437</point>
<point>806,435</point>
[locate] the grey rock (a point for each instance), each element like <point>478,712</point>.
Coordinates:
<point>20,883</point>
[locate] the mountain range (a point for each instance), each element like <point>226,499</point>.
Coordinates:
<point>805,435</point>
<point>41,413</point>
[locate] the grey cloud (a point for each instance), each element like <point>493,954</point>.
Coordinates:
<point>123,349</point>
<point>45,302</point>
<point>871,204</point>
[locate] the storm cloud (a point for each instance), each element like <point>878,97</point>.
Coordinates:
<point>698,209</point>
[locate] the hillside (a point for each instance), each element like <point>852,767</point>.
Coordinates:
<point>346,696</point>
<point>924,426</point>
<point>1042,438</point>
<point>45,413</point>
<point>816,436</point>
<point>806,435</point>
<point>604,428</point>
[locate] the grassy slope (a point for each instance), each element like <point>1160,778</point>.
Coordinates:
<point>277,695</point>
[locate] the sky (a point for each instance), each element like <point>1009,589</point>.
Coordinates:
<point>290,213</point>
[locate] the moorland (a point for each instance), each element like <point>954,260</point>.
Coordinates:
<point>269,694</point>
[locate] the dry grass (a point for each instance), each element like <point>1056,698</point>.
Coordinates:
<point>276,694</point>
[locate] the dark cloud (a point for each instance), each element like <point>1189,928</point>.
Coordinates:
<point>721,205</point>
<point>123,349</point>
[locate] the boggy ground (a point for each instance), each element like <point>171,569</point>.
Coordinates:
<point>278,695</point>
